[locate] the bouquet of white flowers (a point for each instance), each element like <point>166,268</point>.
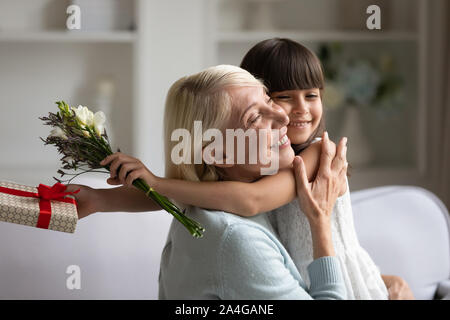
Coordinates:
<point>80,135</point>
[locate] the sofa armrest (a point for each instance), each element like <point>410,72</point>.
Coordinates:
<point>443,290</point>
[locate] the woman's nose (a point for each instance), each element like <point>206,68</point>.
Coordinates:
<point>280,117</point>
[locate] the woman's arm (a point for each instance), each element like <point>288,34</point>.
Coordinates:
<point>251,264</point>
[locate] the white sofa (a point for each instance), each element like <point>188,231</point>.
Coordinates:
<point>405,229</point>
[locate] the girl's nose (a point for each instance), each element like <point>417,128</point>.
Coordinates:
<point>299,107</point>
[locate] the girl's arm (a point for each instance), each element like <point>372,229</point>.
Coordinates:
<point>242,198</point>
<point>245,199</point>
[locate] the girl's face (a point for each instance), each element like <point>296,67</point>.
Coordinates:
<point>304,108</point>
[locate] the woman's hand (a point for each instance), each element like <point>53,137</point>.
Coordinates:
<point>311,155</point>
<point>398,288</point>
<point>124,169</point>
<point>87,199</point>
<point>317,199</point>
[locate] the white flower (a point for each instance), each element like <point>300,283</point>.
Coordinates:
<point>84,115</point>
<point>333,95</point>
<point>90,118</point>
<point>58,132</point>
<point>85,118</point>
<point>99,122</point>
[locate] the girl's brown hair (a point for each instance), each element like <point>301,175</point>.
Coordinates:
<point>283,64</point>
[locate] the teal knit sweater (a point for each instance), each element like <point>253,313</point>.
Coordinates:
<point>239,258</point>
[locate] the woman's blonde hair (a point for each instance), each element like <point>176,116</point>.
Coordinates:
<point>200,97</point>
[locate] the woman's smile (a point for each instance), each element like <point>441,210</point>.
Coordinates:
<point>284,142</point>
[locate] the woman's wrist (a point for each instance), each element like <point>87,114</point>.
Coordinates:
<point>322,238</point>
<point>318,218</point>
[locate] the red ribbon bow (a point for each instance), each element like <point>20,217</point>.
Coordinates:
<point>45,194</point>
<point>56,192</point>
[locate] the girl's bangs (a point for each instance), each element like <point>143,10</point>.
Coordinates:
<point>294,72</point>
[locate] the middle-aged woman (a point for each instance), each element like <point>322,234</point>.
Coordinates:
<point>238,258</point>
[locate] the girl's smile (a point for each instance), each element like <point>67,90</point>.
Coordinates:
<point>300,124</point>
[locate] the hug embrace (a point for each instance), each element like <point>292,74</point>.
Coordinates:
<point>288,235</point>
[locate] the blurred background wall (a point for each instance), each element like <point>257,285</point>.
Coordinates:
<point>388,92</point>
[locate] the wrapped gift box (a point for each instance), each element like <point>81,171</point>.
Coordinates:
<point>42,207</point>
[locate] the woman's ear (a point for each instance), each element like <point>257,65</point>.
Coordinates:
<point>212,159</point>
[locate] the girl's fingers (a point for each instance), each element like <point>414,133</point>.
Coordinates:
<point>121,166</point>
<point>114,156</point>
<point>115,165</point>
<point>126,169</point>
<point>135,174</point>
<point>109,158</point>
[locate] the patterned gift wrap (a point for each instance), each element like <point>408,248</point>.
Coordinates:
<point>26,210</point>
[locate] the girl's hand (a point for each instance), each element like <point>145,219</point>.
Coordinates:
<point>398,288</point>
<point>88,200</point>
<point>124,169</point>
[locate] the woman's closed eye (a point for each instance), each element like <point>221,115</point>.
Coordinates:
<point>253,119</point>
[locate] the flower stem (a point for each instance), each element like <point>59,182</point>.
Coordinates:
<point>193,227</point>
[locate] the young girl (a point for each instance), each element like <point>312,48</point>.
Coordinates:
<point>295,81</point>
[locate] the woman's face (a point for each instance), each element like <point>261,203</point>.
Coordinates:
<point>254,109</point>
<point>304,108</point>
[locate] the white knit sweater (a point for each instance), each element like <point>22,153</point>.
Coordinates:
<point>362,277</point>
